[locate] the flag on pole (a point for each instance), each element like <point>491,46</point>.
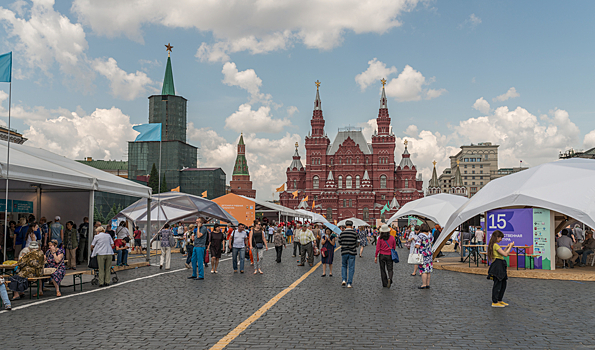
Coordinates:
<point>384,209</point>
<point>313,204</point>
<point>148,132</point>
<point>204,194</point>
<point>6,68</point>
<point>177,189</point>
<point>280,189</point>
<point>295,194</point>
<point>305,199</point>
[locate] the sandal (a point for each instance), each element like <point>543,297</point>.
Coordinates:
<point>58,294</point>
<point>40,294</point>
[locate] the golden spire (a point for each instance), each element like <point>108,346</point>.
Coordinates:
<point>458,161</point>
<point>317,84</point>
<point>296,145</point>
<point>434,162</point>
<point>168,49</point>
<point>405,142</point>
<point>383,81</point>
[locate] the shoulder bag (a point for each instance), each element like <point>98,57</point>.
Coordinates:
<point>172,241</point>
<point>393,253</point>
<point>415,258</point>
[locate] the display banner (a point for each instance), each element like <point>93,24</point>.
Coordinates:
<point>542,239</point>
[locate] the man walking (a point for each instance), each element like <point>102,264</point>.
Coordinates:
<point>348,242</point>
<point>307,239</point>
<point>296,242</point>
<point>198,253</point>
<point>83,249</point>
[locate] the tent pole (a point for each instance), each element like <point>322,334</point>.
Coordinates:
<point>148,229</point>
<point>38,190</point>
<point>7,166</point>
<point>91,229</point>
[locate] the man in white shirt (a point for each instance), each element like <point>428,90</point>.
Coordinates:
<point>271,233</point>
<point>307,239</point>
<point>479,235</point>
<point>238,247</point>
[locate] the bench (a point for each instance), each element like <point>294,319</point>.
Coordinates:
<point>37,281</point>
<point>76,275</point>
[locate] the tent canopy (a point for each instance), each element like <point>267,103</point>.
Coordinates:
<point>39,166</point>
<point>565,186</point>
<point>313,216</point>
<point>268,207</point>
<point>438,208</point>
<point>356,222</point>
<point>173,206</point>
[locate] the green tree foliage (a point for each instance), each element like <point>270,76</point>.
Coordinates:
<point>163,185</point>
<point>97,216</point>
<point>154,180</point>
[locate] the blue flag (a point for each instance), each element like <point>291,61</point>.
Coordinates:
<point>6,67</point>
<point>148,132</point>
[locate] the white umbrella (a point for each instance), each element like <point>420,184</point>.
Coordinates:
<point>356,222</point>
<point>565,186</point>
<point>438,208</point>
<point>313,216</point>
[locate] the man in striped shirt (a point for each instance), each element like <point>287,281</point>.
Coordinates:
<point>348,242</point>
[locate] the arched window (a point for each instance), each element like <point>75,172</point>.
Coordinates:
<point>340,183</point>
<point>350,203</point>
<point>357,160</point>
<point>383,181</point>
<point>315,182</point>
<point>348,181</point>
<point>357,182</point>
<point>349,160</point>
<point>331,161</point>
<point>329,213</point>
<point>366,160</point>
<point>294,183</point>
<point>406,183</point>
<point>344,203</point>
<point>366,213</point>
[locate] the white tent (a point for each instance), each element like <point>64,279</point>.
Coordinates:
<point>438,208</point>
<point>356,222</point>
<point>279,210</point>
<point>564,186</point>
<point>313,216</point>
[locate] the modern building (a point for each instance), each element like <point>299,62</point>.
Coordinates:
<point>350,177</point>
<point>240,183</point>
<point>178,159</point>
<point>475,166</point>
<point>15,137</point>
<point>571,153</point>
<point>114,167</point>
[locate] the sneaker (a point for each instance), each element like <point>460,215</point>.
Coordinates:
<point>191,277</point>
<point>498,305</point>
<point>389,283</point>
<point>187,265</point>
<point>343,283</point>
<point>349,286</point>
<point>503,303</point>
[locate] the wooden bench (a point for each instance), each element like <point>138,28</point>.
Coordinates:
<point>36,280</point>
<point>76,275</point>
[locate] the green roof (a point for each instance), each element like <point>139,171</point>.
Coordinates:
<point>106,164</point>
<point>241,139</point>
<point>168,80</point>
<point>241,166</point>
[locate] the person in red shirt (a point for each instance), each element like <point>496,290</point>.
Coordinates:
<point>137,245</point>
<point>122,244</point>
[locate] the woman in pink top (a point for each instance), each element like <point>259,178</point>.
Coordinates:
<point>385,243</point>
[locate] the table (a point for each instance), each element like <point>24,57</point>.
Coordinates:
<point>8,269</point>
<point>474,251</point>
<point>522,248</point>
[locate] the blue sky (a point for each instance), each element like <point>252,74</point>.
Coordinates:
<point>252,67</point>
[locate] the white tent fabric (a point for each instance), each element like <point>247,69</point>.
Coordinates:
<point>565,186</point>
<point>272,207</point>
<point>36,165</point>
<point>356,222</point>
<point>313,216</point>
<point>438,208</point>
<point>173,206</point>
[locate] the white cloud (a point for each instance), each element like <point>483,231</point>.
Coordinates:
<point>22,111</point>
<point>589,141</point>
<point>409,86</point>
<point>247,80</point>
<point>473,21</point>
<point>251,121</point>
<point>511,93</point>
<point>482,105</point>
<point>253,25</point>
<point>126,86</point>
<point>376,70</point>
<point>103,134</point>
<point>45,36</point>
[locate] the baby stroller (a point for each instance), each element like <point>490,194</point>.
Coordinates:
<point>95,266</point>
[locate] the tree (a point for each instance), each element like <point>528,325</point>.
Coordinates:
<point>163,185</point>
<point>97,216</point>
<point>154,180</point>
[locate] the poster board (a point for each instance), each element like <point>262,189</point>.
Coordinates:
<point>240,208</point>
<point>528,227</point>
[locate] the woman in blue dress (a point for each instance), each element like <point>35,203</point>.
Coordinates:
<point>328,254</point>
<point>424,247</point>
<point>362,237</point>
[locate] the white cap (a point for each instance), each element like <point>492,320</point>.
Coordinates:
<point>57,218</point>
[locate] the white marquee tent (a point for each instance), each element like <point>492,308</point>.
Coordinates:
<point>564,186</point>
<point>438,208</point>
<point>356,222</point>
<point>313,216</point>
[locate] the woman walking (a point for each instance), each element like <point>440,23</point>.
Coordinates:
<point>362,237</point>
<point>102,247</point>
<point>279,241</point>
<point>258,243</point>
<point>424,247</point>
<point>328,251</point>
<point>497,271</point>
<point>215,246</point>
<point>166,237</point>
<point>55,259</point>
<point>71,243</point>
<point>385,243</point>
<point>411,239</point>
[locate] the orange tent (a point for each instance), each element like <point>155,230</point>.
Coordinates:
<point>240,208</point>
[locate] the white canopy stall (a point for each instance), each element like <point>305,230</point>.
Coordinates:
<point>276,211</point>
<point>438,208</point>
<point>313,216</point>
<point>564,186</point>
<point>356,222</point>
<point>46,184</point>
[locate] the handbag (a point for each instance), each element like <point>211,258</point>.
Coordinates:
<point>206,257</point>
<point>323,252</point>
<point>259,245</point>
<point>49,270</point>
<point>415,259</point>
<point>393,253</point>
<point>93,264</point>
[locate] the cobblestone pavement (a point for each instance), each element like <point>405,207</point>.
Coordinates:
<point>169,311</point>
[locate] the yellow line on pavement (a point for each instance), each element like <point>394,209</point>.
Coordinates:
<point>255,316</point>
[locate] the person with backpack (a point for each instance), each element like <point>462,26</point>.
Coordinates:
<point>385,243</point>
